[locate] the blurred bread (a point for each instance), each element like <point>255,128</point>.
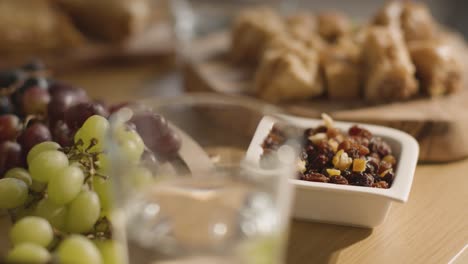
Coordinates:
<point>109,20</point>
<point>288,73</point>
<point>437,67</point>
<point>390,74</point>
<point>343,70</point>
<point>251,33</point>
<point>35,26</point>
<point>414,19</point>
<point>333,25</point>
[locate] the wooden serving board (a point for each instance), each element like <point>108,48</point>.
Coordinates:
<point>440,125</point>
<point>155,43</point>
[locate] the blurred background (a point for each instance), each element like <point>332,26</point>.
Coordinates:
<point>69,32</point>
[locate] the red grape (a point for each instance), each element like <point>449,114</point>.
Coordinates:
<point>8,78</point>
<point>9,127</point>
<point>76,115</point>
<point>157,135</point>
<point>10,156</point>
<point>35,101</point>
<point>6,107</point>
<point>62,100</point>
<point>62,134</point>
<point>34,134</point>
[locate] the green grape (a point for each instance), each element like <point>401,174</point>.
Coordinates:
<point>28,253</point>
<point>46,164</point>
<point>20,174</point>
<point>94,127</point>
<point>24,211</point>
<point>130,144</point>
<point>38,186</point>
<point>32,229</point>
<point>78,249</point>
<point>41,147</point>
<point>83,212</point>
<point>112,251</point>
<point>140,177</point>
<point>103,188</point>
<point>13,193</point>
<point>55,214</point>
<point>104,164</point>
<point>65,185</point>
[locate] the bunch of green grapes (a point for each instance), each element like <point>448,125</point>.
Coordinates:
<point>62,204</point>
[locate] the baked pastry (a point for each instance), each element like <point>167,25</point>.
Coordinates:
<point>417,22</point>
<point>109,20</point>
<point>252,31</point>
<point>389,14</point>
<point>35,26</point>
<point>342,67</point>
<point>389,70</point>
<point>288,73</point>
<point>414,19</point>
<point>333,25</point>
<point>437,67</point>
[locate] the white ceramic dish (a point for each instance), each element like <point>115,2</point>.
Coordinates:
<point>346,204</point>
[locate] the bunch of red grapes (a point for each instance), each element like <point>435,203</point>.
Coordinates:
<point>35,108</point>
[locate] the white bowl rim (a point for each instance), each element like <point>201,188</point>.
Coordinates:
<point>407,161</point>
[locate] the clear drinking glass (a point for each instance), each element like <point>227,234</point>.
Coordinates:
<point>195,198</point>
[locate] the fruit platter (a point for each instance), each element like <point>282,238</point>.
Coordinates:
<point>55,186</point>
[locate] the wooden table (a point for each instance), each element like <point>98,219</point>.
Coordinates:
<point>431,228</point>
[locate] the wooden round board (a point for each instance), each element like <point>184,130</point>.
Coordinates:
<point>440,124</point>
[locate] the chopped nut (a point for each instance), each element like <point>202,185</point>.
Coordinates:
<point>382,174</point>
<point>333,172</point>
<point>327,120</point>
<point>301,166</point>
<point>333,144</point>
<point>359,165</point>
<point>318,137</point>
<point>390,159</point>
<point>341,160</point>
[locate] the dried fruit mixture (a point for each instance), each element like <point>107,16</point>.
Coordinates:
<point>330,155</point>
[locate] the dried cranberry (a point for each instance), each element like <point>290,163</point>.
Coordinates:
<point>339,180</point>
<point>315,177</point>
<point>372,166</point>
<point>345,145</point>
<point>318,162</point>
<point>360,132</point>
<point>384,166</point>
<point>377,145</point>
<point>388,177</point>
<point>308,132</point>
<point>361,179</point>
<point>361,141</point>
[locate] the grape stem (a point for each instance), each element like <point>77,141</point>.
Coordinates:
<point>87,159</point>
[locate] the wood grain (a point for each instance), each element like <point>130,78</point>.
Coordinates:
<point>438,123</point>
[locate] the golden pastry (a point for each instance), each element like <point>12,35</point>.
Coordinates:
<point>389,70</point>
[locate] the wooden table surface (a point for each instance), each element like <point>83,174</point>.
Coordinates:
<point>432,227</point>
